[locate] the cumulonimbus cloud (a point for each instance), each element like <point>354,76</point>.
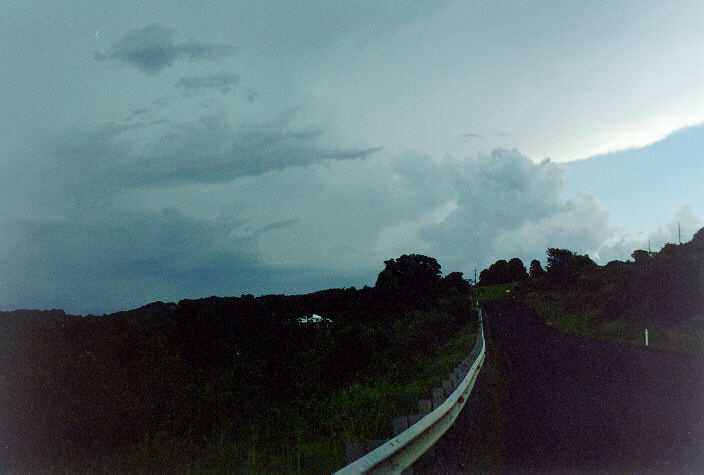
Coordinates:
<point>153,48</point>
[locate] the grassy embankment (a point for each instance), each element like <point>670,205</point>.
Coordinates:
<point>292,443</point>
<point>574,312</point>
<point>303,436</point>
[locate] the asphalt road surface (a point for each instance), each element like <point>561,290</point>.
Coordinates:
<point>549,401</point>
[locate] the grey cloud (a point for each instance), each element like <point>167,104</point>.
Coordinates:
<point>222,81</point>
<point>116,260</point>
<point>135,113</point>
<point>621,249</point>
<point>209,150</point>
<point>153,48</point>
<point>251,94</point>
<point>182,228</point>
<point>466,213</point>
<point>508,206</point>
<point>682,226</point>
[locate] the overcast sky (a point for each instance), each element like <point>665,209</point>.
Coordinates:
<point>168,150</point>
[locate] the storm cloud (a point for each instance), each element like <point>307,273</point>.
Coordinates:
<point>153,48</point>
<point>110,259</point>
<point>465,212</point>
<point>507,205</point>
<point>345,135</point>
<point>225,210</point>
<point>115,156</point>
<point>222,81</point>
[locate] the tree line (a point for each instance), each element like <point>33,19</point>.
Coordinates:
<point>662,286</point>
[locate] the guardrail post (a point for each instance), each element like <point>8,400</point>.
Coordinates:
<point>459,375</point>
<point>353,451</point>
<point>425,406</point>
<point>438,397</point>
<point>413,418</point>
<point>447,388</point>
<point>399,424</point>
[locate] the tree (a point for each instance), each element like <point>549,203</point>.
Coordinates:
<point>517,271</point>
<point>640,256</point>
<point>410,279</point>
<point>536,269</point>
<point>501,272</point>
<point>569,269</point>
<point>497,273</point>
<point>455,281</point>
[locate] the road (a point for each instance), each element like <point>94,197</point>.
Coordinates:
<point>550,401</point>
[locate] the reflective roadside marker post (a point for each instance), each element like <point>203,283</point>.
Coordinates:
<point>646,337</point>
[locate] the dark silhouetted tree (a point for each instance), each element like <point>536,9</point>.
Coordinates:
<point>501,272</point>
<point>517,271</point>
<point>455,282</point>
<point>536,269</point>
<point>568,269</point>
<point>410,280</point>
<point>640,256</point>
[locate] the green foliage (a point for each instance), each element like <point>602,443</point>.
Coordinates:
<point>640,256</point>
<point>454,283</point>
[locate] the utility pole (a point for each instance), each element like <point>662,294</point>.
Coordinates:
<point>649,247</point>
<point>475,276</point>
<point>679,234</point>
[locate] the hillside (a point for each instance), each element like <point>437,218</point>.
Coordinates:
<point>661,291</point>
<point>226,383</point>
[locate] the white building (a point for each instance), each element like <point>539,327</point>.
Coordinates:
<point>315,318</point>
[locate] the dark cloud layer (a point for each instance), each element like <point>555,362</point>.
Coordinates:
<point>114,260</point>
<point>153,48</point>
<point>209,150</point>
<point>223,81</point>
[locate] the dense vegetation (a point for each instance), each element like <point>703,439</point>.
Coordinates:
<point>662,291</point>
<point>502,272</point>
<point>228,383</point>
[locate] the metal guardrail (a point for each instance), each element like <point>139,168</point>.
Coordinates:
<point>401,451</point>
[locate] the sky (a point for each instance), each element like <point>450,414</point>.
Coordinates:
<point>169,150</point>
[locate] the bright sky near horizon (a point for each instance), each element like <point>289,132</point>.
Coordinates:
<point>167,150</point>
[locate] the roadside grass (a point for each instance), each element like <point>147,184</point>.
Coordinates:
<point>304,437</point>
<point>494,292</point>
<point>357,410</point>
<point>573,313</point>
